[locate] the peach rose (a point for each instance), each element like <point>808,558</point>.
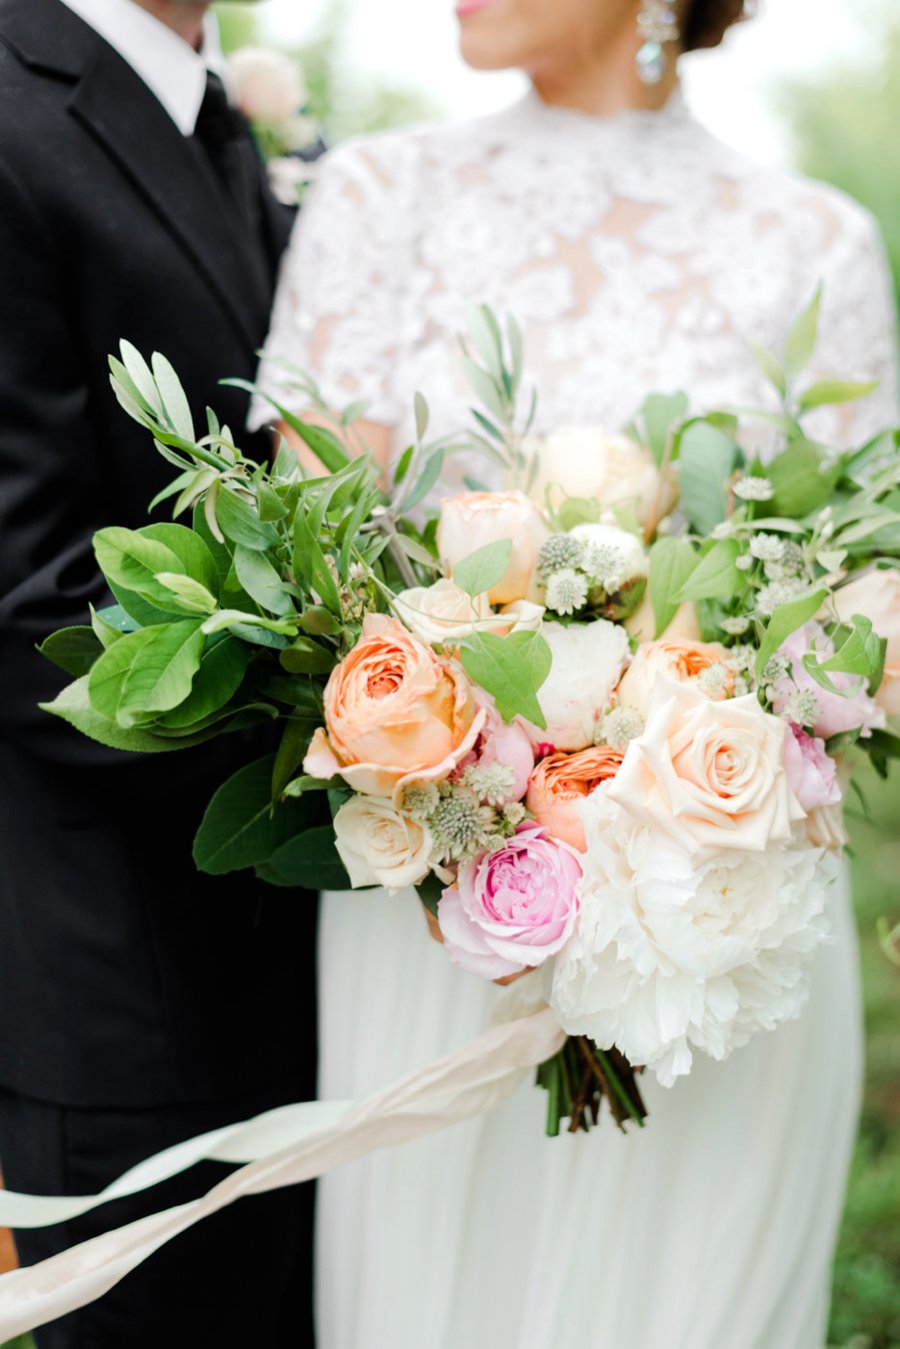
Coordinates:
<point>394,712</point>
<point>559,782</point>
<point>474,519</point>
<point>710,775</point>
<point>589,462</point>
<point>685,662</point>
<point>877,596</point>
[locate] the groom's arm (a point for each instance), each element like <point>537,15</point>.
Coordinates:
<point>51,488</point>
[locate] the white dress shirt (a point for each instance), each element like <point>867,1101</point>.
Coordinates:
<point>167,64</point>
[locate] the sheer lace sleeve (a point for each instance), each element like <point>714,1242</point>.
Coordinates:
<point>336,311</point>
<point>858,331</point>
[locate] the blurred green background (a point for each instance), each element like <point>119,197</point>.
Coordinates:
<point>843,128</point>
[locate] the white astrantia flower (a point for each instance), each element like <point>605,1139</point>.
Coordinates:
<point>620,725</point>
<point>736,626</point>
<point>767,547</point>
<point>753,489</point>
<point>567,591</point>
<point>613,556</point>
<point>673,953</point>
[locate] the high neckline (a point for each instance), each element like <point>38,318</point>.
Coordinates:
<point>673,112</point>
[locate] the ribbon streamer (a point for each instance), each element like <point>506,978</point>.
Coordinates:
<point>281,1147</point>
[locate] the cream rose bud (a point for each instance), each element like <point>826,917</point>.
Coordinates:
<point>696,663</point>
<point>877,596</point>
<point>475,519</point>
<point>589,462</point>
<point>709,775</point>
<point>588,660</point>
<point>684,626</point>
<point>379,845</point>
<point>441,614</point>
<point>268,85</point>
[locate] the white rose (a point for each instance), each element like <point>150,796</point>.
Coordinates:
<point>379,845</point>
<point>683,662</point>
<point>588,660</point>
<point>877,596</point>
<point>443,614</point>
<point>673,952</point>
<point>473,520</point>
<point>268,85</point>
<point>589,462</point>
<point>618,555</point>
<point>710,775</point>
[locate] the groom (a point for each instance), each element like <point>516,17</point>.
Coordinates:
<point>140,1003</point>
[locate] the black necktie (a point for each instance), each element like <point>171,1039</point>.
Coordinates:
<point>223,134</point>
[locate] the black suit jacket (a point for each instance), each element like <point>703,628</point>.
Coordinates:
<point>125,978</point>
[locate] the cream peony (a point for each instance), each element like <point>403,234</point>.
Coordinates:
<point>474,519</point>
<point>588,660</point>
<point>681,661</point>
<point>877,596</point>
<point>268,85</point>
<point>589,462</point>
<point>708,775</point>
<point>379,845</point>
<point>672,953</point>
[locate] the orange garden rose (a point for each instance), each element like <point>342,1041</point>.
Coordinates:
<point>560,781</point>
<point>394,713</point>
<point>683,661</point>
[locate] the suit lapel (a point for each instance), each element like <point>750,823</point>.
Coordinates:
<point>172,173</point>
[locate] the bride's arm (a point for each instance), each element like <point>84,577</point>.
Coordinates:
<point>363,435</point>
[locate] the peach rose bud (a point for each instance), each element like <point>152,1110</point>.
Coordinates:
<point>475,519</point>
<point>561,781</point>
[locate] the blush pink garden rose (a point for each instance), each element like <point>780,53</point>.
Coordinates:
<point>475,519</point>
<point>709,775</point>
<point>512,909</point>
<point>877,596</point>
<point>811,772</point>
<point>561,782</point>
<point>394,714</point>
<point>268,85</point>
<point>835,712</point>
<point>696,663</point>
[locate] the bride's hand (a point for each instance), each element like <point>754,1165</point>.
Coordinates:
<point>434,928</point>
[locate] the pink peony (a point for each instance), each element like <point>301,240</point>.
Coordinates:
<point>835,712</point>
<point>810,771</point>
<point>504,744</point>
<point>511,909</point>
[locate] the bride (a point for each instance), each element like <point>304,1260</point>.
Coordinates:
<point>639,254</point>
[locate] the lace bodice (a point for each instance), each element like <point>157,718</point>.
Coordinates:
<point>638,253</point>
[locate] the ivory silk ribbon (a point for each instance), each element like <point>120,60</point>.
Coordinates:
<point>281,1147</point>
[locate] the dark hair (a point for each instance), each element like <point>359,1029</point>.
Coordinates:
<point>706,22</point>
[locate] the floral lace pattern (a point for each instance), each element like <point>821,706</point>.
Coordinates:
<point>638,253</point>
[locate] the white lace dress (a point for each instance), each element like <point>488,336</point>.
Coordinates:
<point>639,254</point>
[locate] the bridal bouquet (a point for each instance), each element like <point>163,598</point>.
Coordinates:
<point>599,719</point>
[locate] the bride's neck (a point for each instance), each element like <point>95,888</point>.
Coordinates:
<point>604,84</point>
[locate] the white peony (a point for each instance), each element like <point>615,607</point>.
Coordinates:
<point>588,660</point>
<point>673,952</point>
<point>589,462</point>
<point>268,85</point>
<point>379,845</point>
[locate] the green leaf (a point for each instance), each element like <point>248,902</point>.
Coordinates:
<point>300,786</point>
<point>261,581</point>
<point>577,511</point>
<point>239,522</point>
<point>511,669</point>
<point>173,396</point>
<point>106,631</point>
<point>771,367</point>
<point>291,751</point>
<point>829,391</point>
<point>304,656</point>
<point>705,464</point>
<point>187,594</point>
<point>660,413</point>
<point>486,567</point>
<point>310,563</point>
<point>318,621</point>
<point>74,706</point>
<point>141,377</point>
<point>309,861</point>
<point>72,649</point>
<point>232,618</point>
<point>801,340</point>
<point>151,670</point>
<point>420,406</point>
<point>269,503</point>
<point>671,563</point>
<point>419,489</point>
<point>786,619</point>
<point>130,559</point>
<point>403,464</point>
<point>485,338</point>
<point>485,389</point>
<point>218,679</point>
<point>324,444</point>
<point>803,477</point>
<point>715,576</point>
<point>240,828</point>
<point>430,892</point>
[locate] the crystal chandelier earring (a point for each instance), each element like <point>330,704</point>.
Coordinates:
<point>658,26</point>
